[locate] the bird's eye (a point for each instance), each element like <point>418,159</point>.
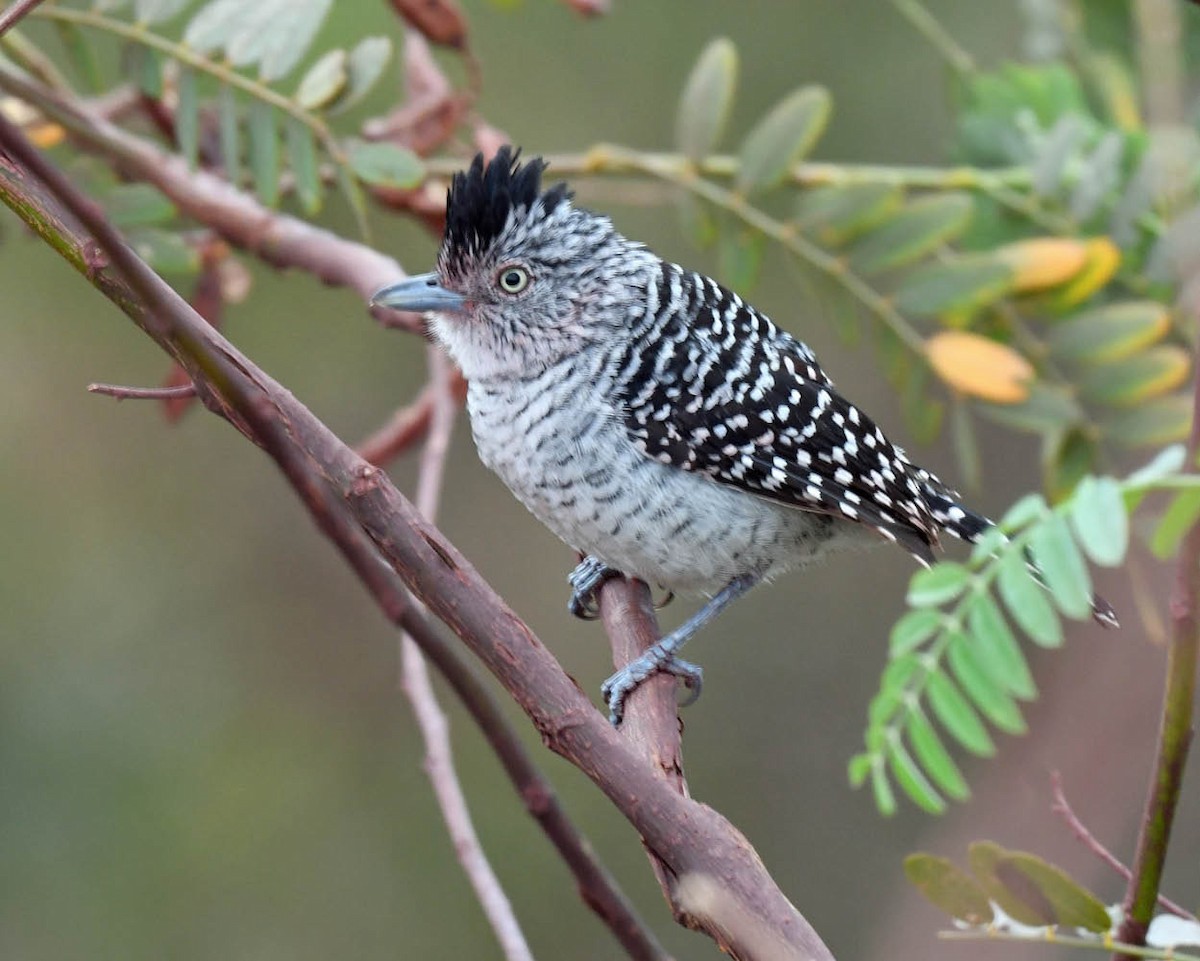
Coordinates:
<point>513,279</point>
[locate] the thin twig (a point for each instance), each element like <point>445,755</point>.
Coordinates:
<point>1175,726</point>
<point>1061,807</point>
<point>11,15</point>
<point>370,517</point>
<point>926,24</point>
<point>435,728</point>
<point>143,393</point>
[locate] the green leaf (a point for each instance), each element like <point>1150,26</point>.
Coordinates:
<point>934,758</point>
<point>956,715</point>
<point>984,690</point>
<point>1177,520</point>
<point>919,229</point>
<point>696,220</point>
<point>1073,906</point>
<point>1109,333</point>
<point>911,780</point>
<point>923,414</point>
<point>966,447</point>
<point>187,117</point>
<point>885,799</point>
<point>1025,511</point>
<point>1027,907</point>
<point>912,630</point>
<point>834,215</point>
<point>1139,378</point>
<point>324,81</point>
<point>293,29</point>
<point>215,24</point>
<point>386,165</point>
<point>229,127</point>
<point>999,652</point>
<point>707,99</point>
<point>781,139</point>
<point>949,888</point>
<point>1062,567</point>
<point>145,69</point>
<point>302,157</point>
<point>938,584</point>
<point>166,252</point>
<point>79,52</point>
<point>355,197</point>
<point>961,285</point>
<point>1047,408</point>
<point>1026,601</point>
<point>1033,891</point>
<point>1067,457</point>
<point>1152,424</point>
<point>156,11</point>
<point>365,66</point>
<point>1164,464</point>
<point>898,673</point>
<point>264,151</point>
<point>858,769</point>
<point>739,258</point>
<point>137,205</point>
<point>1100,522</point>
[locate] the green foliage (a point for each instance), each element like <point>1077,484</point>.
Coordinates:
<point>269,131</point>
<point>997,255</point>
<point>954,657</point>
<point>1022,885</point>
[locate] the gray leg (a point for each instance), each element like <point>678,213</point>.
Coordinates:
<point>585,581</point>
<point>661,656</point>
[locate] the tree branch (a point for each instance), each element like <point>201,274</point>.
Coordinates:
<point>11,15</point>
<point>1175,726</point>
<point>719,884</point>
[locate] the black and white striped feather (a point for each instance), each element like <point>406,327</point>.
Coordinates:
<point>713,386</point>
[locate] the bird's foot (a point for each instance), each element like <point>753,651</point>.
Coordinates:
<point>656,659</point>
<point>585,583</point>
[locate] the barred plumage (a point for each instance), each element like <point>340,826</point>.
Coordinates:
<point>650,417</point>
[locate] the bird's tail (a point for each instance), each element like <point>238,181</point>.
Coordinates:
<point>968,526</point>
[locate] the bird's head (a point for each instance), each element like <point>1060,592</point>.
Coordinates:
<point>524,277</point>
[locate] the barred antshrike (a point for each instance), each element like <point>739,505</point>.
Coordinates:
<point>651,418</point>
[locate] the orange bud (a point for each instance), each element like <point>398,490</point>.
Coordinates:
<point>979,367</point>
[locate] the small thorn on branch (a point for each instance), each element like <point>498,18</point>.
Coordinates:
<point>143,393</point>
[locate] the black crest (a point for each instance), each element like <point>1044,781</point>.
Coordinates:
<point>480,200</point>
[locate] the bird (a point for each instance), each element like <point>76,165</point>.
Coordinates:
<point>653,419</point>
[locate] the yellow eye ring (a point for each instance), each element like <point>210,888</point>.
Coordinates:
<point>512,280</point>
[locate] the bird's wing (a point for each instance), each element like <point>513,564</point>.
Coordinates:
<point>748,405</point>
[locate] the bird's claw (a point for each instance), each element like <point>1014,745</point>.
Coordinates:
<point>627,680</point>
<point>585,583</point>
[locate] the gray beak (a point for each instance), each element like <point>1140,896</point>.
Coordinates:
<point>418,294</point>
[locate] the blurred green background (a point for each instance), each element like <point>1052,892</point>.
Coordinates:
<point>203,753</point>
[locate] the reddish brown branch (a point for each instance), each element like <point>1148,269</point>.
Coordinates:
<point>11,15</point>
<point>1061,807</point>
<point>718,882</point>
